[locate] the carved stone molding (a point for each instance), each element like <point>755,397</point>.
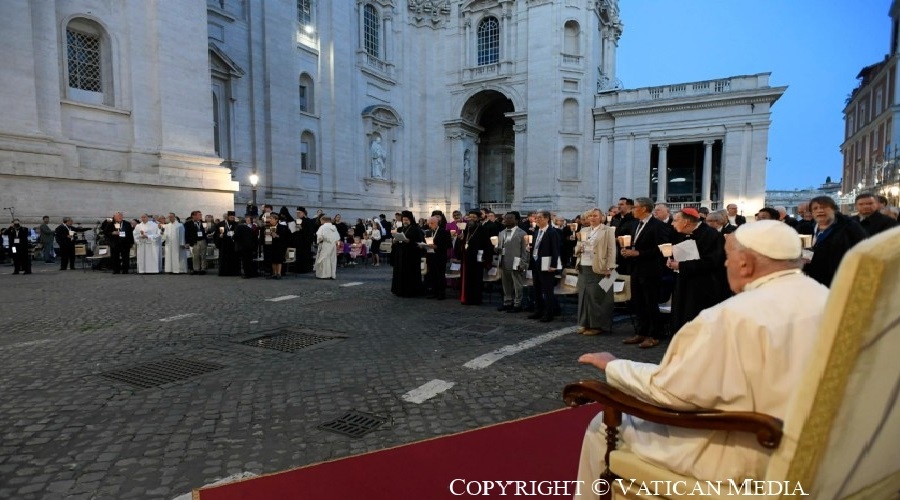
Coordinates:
<point>369,181</point>
<point>432,13</point>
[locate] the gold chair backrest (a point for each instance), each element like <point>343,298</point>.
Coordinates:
<point>80,250</point>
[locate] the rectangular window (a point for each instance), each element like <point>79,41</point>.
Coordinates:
<point>304,156</point>
<point>372,31</point>
<point>304,13</point>
<point>304,102</point>
<point>878,102</point>
<point>83,55</point>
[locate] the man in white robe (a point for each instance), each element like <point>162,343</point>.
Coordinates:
<point>149,245</point>
<point>173,236</point>
<point>745,354</point>
<point>326,256</point>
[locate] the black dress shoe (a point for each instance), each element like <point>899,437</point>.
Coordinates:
<point>514,310</point>
<point>504,308</point>
<point>536,315</point>
<point>546,319</point>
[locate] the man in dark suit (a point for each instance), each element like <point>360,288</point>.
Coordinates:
<point>19,247</point>
<point>545,248</point>
<point>65,238</point>
<point>733,216</point>
<point>869,217</point>
<point>647,267</point>
<point>195,238</point>
<point>119,235</point>
<point>245,242</point>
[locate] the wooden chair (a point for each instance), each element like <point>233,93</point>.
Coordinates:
<point>840,436</point>
<point>212,256</point>
<point>568,284</point>
<point>622,296</point>
<point>101,254</point>
<point>491,282</point>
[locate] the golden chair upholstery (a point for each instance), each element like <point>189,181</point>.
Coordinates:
<point>841,436</point>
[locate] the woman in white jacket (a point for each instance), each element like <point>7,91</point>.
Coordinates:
<point>596,252</point>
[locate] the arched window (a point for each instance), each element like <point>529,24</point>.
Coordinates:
<point>372,31</point>
<point>488,41</point>
<point>87,62</point>
<point>571,44</point>
<point>306,94</point>
<point>570,115</point>
<point>307,152</point>
<point>569,163</point>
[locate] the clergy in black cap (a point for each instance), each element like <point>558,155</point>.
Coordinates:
<point>302,239</point>
<point>223,237</point>
<point>407,277</point>
<point>474,245</point>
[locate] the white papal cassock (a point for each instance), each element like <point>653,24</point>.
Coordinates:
<point>745,354</point>
<point>148,247</point>
<point>176,259</point>
<point>327,237</point>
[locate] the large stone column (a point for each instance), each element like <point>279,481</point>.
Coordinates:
<point>520,128</point>
<point>706,187</point>
<point>662,180</point>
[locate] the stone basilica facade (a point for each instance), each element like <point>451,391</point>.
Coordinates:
<point>356,106</point>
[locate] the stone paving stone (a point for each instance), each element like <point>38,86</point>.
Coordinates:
<point>67,432</point>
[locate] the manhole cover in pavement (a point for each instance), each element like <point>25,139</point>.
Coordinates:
<point>288,340</point>
<point>159,373</point>
<point>354,424</point>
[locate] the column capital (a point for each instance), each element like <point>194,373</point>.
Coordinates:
<point>709,142</point>
<point>663,145</point>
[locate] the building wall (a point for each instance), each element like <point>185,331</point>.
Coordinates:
<point>142,144</point>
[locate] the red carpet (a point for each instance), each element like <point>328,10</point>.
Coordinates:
<point>540,448</point>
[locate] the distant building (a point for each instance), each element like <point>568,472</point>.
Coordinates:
<point>791,199</point>
<point>871,147</point>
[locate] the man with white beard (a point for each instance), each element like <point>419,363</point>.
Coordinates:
<point>147,239</point>
<point>173,236</point>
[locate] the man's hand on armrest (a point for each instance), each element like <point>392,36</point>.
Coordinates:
<point>597,359</point>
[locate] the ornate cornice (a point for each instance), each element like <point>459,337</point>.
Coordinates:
<point>767,96</point>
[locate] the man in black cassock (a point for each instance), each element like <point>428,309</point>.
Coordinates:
<point>407,274</point>
<point>474,245</point>
<point>302,240</point>
<point>436,259</point>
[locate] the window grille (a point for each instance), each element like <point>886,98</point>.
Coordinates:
<point>83,53</point>
<point>304,12</point>
<point>372,31</point>
<point>488,41</point>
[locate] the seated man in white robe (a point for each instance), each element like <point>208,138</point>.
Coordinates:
<point>173,237</point>
<point>744,354</point>
<point>327,237</point>
<point>149,245</point>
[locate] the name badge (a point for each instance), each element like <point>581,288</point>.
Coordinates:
<point>502,252</point>
<point>199,234</point>
<point>230,234</point>
<point>16,241</point>
<point>121,234</point>
<point>268,239</point>
<point>480,255</point>
<point>467,246</point>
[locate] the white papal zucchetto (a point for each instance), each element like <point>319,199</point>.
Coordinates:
<point>771,238</point>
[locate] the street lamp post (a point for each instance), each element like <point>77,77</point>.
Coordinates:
<point>254,180</point>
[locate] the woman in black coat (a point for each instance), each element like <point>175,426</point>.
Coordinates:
<point>834,235</point>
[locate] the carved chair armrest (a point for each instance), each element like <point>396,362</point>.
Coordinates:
<point>768,429</point>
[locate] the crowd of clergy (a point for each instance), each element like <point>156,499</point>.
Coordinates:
<point>668,258</point>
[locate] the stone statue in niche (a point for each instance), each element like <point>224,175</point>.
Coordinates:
<point>379,157</point>
<point>467,168</point>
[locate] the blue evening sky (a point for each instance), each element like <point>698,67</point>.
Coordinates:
<point>814,47</point>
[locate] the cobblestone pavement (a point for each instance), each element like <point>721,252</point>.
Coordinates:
<point>69,431</point>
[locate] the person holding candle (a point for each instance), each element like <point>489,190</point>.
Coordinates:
<point>120,236</point>
<point>596,259</point>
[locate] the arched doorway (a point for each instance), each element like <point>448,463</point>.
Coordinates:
<point>496,149</point>
<point>489,147</point>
